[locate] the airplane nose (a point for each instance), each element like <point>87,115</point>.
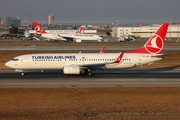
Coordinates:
<point>8,64</point>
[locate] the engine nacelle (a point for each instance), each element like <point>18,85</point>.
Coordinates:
<point>72,69</point>
<point>77,40</point>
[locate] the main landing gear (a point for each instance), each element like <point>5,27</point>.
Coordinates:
<point>22,73</point>
<point>88,72</point>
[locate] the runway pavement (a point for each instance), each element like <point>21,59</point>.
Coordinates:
<point>118,78</point>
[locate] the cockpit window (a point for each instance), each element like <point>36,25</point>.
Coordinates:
<point>14,59</point>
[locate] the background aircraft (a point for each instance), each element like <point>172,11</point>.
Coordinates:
<point>75,37</point>
<point>27,36</point>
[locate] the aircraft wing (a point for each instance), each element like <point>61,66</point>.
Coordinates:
<point>118,60</point>
<point>67,38</point>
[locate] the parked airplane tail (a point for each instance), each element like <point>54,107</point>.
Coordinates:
<point>79,31</point>
<point>38,29</point>
<point>102,49</point>
<point>155,43</point>
<point>140,24</point>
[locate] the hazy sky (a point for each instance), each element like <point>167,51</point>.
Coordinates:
<point>93,10</point>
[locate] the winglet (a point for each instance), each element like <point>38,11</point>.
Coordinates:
<point>102,49</point>
<point>118,60</point>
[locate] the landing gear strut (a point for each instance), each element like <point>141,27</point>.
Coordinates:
<point>88,72</point>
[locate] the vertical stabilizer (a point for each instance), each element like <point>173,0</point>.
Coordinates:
<point>38,29</point>
<point>155,43</point>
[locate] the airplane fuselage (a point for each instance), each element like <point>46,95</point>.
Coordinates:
<point>59,61</point>
<point>82,36</point>
<point>71,37</point>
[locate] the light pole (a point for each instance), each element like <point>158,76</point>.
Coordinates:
<point>5,26</point>
<point>178,31</point>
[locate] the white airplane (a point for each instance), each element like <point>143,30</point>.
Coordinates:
<point>76,37</point>
<point>51,36</point>
<point>26,36</point>
<point>74,63</point>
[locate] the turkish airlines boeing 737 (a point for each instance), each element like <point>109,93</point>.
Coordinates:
<point>74,63</point>
<point>76,37</point>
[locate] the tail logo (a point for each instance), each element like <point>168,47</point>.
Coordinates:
<point>155,44</point>
<point>79,30</point>
<point>38,29</point>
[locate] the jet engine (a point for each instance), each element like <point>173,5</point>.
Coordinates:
<point>72,69</point>
<point>77,40</point>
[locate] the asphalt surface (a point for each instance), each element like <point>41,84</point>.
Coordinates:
<point>108,78</point>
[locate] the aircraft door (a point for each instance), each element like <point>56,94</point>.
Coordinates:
<point>26,60</point>
<point>83,60</point>
<point>139,60</point>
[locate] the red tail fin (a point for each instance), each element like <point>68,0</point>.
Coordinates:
<point>79,30</point>
<point>38,29</point>
<point>140,24</point>
<point>155,43</point>
<point>102,50</point>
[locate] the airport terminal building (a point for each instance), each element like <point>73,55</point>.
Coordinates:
<point>145,31</point>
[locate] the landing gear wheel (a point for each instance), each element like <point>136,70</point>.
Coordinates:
<point>88,72</point>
